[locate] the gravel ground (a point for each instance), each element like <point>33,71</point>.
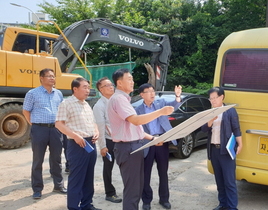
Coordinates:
<point>192,187</point>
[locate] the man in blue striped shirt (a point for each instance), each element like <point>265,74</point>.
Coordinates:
<point>40,108</point>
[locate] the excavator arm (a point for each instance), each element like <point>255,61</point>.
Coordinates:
<point>103,30</point>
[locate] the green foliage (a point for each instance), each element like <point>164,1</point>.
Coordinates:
<point>196,29</point>
<point>200,88</point>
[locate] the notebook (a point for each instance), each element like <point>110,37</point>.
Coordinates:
<point>231,146</point>
<point>88,147</point>
<point>109,157</point>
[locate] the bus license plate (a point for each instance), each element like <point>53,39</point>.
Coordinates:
<point>263,146</point>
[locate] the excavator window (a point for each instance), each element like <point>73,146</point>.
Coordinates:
<point>1,39</point>
<point>24,42</point>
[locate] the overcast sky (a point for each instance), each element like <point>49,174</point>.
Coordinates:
<point>14,14</point>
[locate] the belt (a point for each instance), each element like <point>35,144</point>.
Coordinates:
<point>49,125</point>
<point>132,142</point>
<point>86,138</point>
<point>218,146</point>
<point>157,135</point>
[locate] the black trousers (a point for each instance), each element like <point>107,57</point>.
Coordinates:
<point>42,137</point>
<point>132,172</point>
<point>107,169</point>
<point>159,154</point>
<point>65,142</point>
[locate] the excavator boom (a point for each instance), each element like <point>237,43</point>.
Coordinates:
<point>103,30</point>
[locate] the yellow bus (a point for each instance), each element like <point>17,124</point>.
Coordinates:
<point>242,70</point>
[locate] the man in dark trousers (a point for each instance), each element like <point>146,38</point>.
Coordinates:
<point>219,130</point>
<point>127,132</point>
<point>40,109</point>
<point>75,119</point>
<point>105,142</point>
<point>160,154</point>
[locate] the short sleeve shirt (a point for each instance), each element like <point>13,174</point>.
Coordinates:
<point>119,108</point>
<point>42,105</point>
<point>77,115</point>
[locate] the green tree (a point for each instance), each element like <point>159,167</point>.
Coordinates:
<point>196,29</point>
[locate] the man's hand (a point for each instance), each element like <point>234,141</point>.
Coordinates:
<point>103,151</point>
<point>80,141</point>
<point>160,144</point>
<point>95,138</point>
<point>239,148</point>
<point>178,90</point>
<point>166,110</point>
<point>210,123</point>
<point>96,134</point>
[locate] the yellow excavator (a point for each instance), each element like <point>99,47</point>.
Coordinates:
<point>24,52</point>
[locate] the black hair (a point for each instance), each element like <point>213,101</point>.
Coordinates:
<point>99,82</point>
<point>118,74</point>
<point>145,86</point>
<point>218,90</point>
<point>43,72</point>
<point>76,83</point>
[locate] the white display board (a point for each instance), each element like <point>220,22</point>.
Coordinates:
<point>188,126</point>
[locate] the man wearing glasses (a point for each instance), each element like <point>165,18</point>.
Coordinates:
<point>106,88</point>
<point>40,108</point>
<point>160,154</point>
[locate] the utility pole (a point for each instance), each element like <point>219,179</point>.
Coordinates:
<point>17,5</point>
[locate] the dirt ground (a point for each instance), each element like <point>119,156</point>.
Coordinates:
<point>192,187</point>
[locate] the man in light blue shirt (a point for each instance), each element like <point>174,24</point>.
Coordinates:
<point>160,154</point>
<point>40,108</point>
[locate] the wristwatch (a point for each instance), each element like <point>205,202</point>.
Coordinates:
<point>152,138</point>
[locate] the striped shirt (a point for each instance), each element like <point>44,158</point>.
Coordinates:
<point>77,115</point>
<point>119,108</point>
<point>42,105</point>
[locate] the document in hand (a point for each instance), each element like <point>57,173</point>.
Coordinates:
<point>188,126</point>
<point>231,146</point>
<point>109,157</point>
<point>88,147</point>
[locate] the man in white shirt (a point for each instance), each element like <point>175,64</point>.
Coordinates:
<point>106,88</point>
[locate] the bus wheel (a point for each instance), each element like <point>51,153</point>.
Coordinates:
<point>14,129</point>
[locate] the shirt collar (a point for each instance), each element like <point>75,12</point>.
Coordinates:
<point>104,99</point>
<point>123,93</point>
<point>77,100</point>
<point>45,90</point>
<point>152,105</point>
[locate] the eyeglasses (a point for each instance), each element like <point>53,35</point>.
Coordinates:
<point>212,99</point>
<point>108,85</point>
<point>149,91</point>
<point>50,76</point>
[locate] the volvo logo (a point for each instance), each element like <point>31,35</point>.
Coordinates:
<point>130,40</point>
